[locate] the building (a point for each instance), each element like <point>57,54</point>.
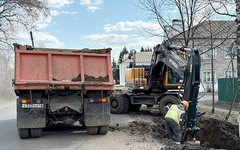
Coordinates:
<point>217,36</point>
<point>142,59</point>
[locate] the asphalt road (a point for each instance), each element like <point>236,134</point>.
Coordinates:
<point>63,137</point>
<point>73,136</point>
<point>68,136</point>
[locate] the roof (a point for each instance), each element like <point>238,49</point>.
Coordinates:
<point>141,57</point>
<point>218,28</point>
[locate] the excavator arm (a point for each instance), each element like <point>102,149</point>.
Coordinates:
<point>191,88</point>
<point>189,69</point>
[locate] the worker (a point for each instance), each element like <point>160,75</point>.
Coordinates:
<point>172,119</point>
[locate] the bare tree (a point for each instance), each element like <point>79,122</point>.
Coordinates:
<point>15,14</point>
<point>197,29</point>
<point>191,13</point>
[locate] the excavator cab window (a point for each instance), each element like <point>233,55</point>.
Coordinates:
<point>173,77</point>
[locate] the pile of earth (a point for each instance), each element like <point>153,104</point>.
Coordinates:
<point>204,146</point>
<point>219,134</point>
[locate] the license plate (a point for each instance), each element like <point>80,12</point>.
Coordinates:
<point>32,106</point>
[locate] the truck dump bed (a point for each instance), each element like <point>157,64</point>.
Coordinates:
<point>59,69</point>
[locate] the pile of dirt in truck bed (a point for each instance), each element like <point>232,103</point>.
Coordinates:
<point>99,79</point>
<point>85,50</point>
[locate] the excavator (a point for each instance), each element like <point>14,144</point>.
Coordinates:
<point>174,75</point>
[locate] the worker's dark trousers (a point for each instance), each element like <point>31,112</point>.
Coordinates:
<point>173,130</point>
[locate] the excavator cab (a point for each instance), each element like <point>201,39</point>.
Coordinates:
<point>172,79</point>
<point>165,72</point>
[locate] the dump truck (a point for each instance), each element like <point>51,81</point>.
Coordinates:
<point>62,86</point>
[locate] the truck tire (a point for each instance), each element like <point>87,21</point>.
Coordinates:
<point>36,132</point>
<point>92,130</point>
<point>118,104</point>
<point>165,101</point>
<point>103,129</point>
<point>23,133</point>
<point>135,107</point>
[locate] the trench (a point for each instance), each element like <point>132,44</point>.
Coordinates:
<point>218,133</point>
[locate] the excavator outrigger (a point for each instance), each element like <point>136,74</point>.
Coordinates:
<point>172,69</point>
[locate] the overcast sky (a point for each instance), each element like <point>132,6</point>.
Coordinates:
<point>93,24</point>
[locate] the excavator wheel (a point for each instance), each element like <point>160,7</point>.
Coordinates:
<point>119,104</point>
<point>167,100</point>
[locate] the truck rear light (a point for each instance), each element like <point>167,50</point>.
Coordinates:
<point>24,101</point>
<point>102,100</point>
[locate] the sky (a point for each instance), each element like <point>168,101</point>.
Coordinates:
<point>76,24</point>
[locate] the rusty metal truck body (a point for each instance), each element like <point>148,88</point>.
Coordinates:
<point>62,86</point>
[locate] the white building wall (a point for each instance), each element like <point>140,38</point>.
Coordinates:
<point>122,67</point>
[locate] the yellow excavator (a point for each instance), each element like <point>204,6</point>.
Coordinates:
<point>158,85</point>
<point>174,75</point>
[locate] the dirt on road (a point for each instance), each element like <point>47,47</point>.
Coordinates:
<point>213,133</point>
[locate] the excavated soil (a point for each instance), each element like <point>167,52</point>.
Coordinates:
<point>213,133</point>
<point>219,134</point>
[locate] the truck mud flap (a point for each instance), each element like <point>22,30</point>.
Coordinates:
<point>30,117</point>
<point>97,114</point>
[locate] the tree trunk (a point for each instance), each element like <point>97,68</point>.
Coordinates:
<point>238,43</point>
<point>213,80</point>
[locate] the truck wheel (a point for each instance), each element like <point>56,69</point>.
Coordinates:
<point>36,132</point>
<point>118,104</point>
<point>167,101</point>
<point>103,129</point>
<point>92,130</point>
<point>135,107</point>
<point>23,133</point>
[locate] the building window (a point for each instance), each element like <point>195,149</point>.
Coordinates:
<point>207,76</point>
<point>228,50</point>
<point>208,54</point>
<point>228,73</point>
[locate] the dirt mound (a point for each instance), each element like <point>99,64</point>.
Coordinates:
<point>220,134</point>
<point>213,133</point>
<point>204,146</point>
<point>158,129</point>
